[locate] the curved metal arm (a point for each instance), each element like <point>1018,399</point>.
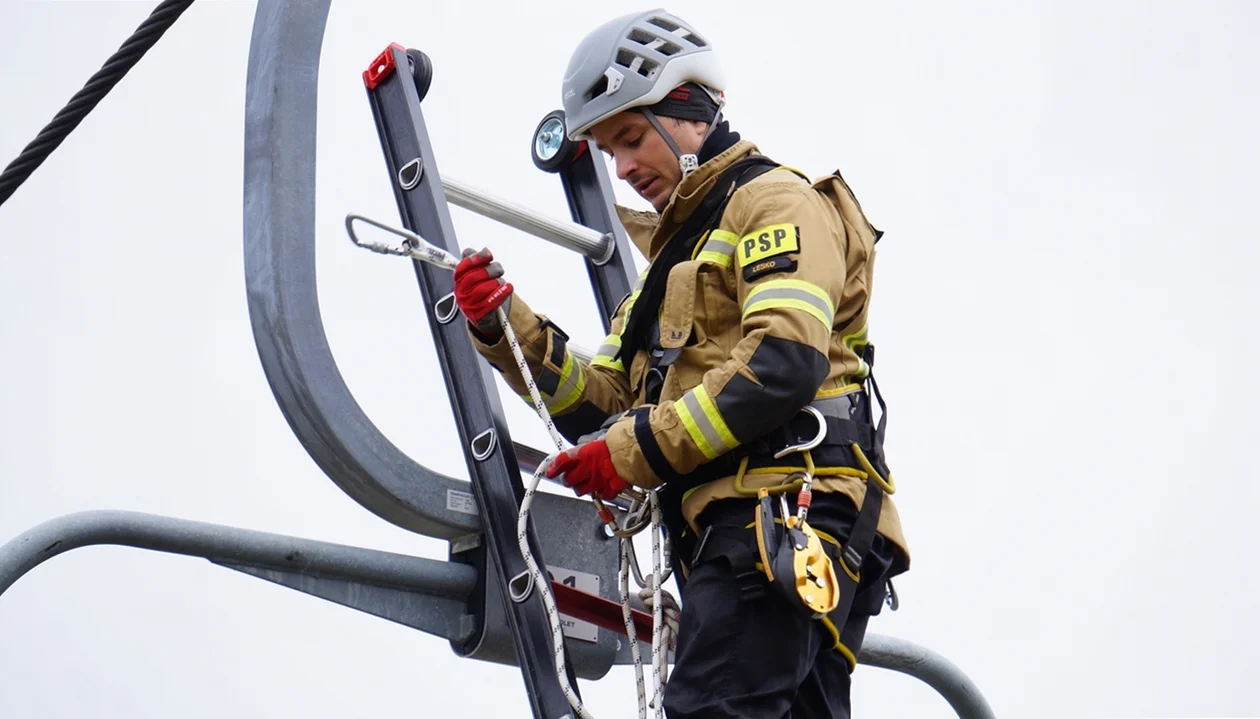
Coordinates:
<point>224,544</point>
<point>929,667</point>
<point>279,219</point>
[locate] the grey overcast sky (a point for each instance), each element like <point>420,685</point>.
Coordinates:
<point>1065,313</point>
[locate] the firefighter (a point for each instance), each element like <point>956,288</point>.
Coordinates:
<point>737,368</point>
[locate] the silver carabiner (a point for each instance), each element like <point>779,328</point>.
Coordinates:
<point>811,444</point>
<point>638,517</point>
<point>807,476</point>
<point>413,245</point>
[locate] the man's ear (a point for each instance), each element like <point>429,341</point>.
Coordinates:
<point>692,130</point>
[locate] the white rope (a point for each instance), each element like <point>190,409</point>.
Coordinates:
<point>632,636</point>
<point>539,579</point>
<point>658,607</point>
<point>662,637</point>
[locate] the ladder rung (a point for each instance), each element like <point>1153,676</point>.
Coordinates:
<point>600,611</point>
<point>593,244</point>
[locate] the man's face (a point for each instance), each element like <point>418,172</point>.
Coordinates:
<point>643,158</point>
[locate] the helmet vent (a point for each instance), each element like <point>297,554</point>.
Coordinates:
<point>663,23</point>
<point>641,36</point>
<point>599,88</point>
<point>659,44</point>
<point>668,48</point>
<point>636,63</point>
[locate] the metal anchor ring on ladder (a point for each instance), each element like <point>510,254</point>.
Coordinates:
<point>521,586</point>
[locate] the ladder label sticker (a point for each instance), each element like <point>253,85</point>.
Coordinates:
<point>583,582</point>
<point>457,501</point>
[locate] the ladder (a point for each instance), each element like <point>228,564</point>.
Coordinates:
<point>397,81</point>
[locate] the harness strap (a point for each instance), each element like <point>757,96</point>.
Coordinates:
<point>844,429</point>
<point>638,330</point>
<point>659,361</point>
<point>849,559</point>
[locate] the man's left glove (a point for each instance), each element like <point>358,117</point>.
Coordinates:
<point>480,290</point>
<point>588,469</point>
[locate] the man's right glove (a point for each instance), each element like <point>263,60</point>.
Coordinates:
<point>588,469</point>
<point>480,289</point>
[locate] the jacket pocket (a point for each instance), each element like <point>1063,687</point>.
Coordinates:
<point>699,325</point>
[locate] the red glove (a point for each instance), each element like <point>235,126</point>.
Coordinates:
<point>479,287</point>
<point>588,469</point>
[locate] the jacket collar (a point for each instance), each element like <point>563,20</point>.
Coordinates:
<point>649,230</point>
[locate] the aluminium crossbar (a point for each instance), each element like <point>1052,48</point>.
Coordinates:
<point>591,244</point>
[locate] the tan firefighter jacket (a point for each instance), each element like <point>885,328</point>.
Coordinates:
<point>770,314</point>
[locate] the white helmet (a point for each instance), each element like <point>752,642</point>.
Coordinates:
<point>634,61</point>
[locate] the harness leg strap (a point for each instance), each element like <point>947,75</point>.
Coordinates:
<point>850,558</point>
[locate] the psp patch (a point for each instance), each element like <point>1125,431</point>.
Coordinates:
<point>767,242</point>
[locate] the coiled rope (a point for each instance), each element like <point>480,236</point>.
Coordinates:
<point>665,610</point>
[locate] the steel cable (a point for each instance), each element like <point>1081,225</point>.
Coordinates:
<point>69,117</point>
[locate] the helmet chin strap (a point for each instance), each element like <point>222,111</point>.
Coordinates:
<point>688,163</point>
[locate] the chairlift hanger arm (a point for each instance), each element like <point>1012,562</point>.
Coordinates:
<point>279,236</point>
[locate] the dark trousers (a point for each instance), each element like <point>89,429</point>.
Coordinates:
<point>742,651</point>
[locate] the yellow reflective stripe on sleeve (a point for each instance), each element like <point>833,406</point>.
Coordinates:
<point>704,422</point>
<point>856,343</point>
<point>719,248</point>
<point>572,383</point>
<point>569,390</point>
<point>795,294</point>
<point>606,352</point>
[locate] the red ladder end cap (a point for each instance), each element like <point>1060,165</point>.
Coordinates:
<point>381,67</point>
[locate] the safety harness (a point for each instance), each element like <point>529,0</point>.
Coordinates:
<point>815,572</point>
<point>785,550</point>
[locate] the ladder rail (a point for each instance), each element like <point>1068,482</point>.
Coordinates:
<point>393,92</point>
